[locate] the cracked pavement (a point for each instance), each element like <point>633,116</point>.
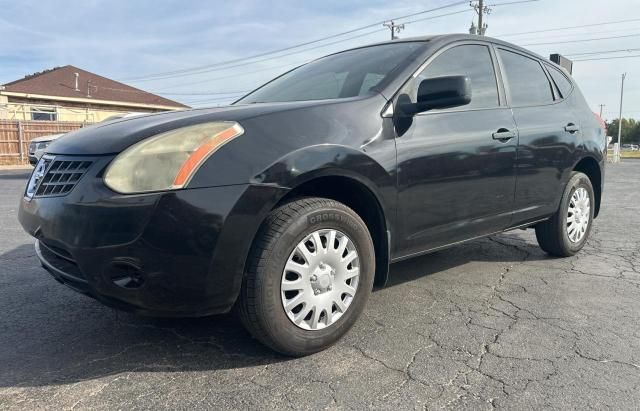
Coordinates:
<point>493,323</point>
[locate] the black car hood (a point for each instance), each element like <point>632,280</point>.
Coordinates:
<point>115,136</point>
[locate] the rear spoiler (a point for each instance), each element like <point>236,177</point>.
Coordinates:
<point>562,61</point>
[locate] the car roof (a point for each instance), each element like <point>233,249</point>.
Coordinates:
<point>453,37</point>
<point>433,43</point>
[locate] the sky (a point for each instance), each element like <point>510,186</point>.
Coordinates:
<point>132,40</point>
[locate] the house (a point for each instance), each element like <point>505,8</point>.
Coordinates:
<point>71,94</point>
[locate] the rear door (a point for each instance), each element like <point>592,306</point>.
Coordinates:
<point>456,177</point>
<point>548,135</point>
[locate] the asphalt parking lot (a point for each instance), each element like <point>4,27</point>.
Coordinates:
<point>494,323</point>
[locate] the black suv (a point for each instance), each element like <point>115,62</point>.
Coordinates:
<point>289,204</point>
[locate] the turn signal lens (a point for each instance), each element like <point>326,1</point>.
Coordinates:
<point>169,160</point>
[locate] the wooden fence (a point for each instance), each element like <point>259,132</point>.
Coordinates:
<point>16,135</point>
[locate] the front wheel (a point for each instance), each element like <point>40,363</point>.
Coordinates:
<point>567,231</point>
<point>309,275</point>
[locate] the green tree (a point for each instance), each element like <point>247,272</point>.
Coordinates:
<point>630,130</point>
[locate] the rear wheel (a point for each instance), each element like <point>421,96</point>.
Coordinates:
<point>567,231</point>
<point>308,277</point>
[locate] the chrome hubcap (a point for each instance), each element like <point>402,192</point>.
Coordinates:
<point>320,279</point>
<point>579,215</point>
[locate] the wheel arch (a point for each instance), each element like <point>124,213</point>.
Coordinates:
<point>361,197</point>
<point>590,166</point>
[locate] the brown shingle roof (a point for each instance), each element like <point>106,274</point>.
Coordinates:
<point>60,82</point>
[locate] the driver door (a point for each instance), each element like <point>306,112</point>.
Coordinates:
<point>456,167</point>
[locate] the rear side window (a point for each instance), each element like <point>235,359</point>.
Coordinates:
<point>473,61</point>
<point>562,82</point>
<point>528,85</point>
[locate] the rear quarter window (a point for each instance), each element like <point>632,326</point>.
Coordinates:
<point>562,82</point>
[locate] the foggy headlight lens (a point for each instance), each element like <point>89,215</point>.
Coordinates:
<point>169,160</point>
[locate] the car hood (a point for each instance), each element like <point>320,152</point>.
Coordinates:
<point>115,136</point>
<point>50,137</point>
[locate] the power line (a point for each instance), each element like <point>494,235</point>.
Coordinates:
<point>609,58</point>
<point>626,111</point>
<point>300,62</point>
<point>193,83</point>
<point>220,101</point>
<point>438,16</point>
<point>567,28</point>
<point>572,36</point>
<point>212,69</point>
<point>197,68</point>
<point>581,41</point>
<point>508,3</point>
<point>208,100</point>
<point>194,71</point>
<point>298,52</point>
<point>225,98</point>
<point>306,49</point>
<point>602,52</point>
<point>203,93</point>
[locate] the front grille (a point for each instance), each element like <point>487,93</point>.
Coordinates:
<point>61,260</point>
<point>61,176</point>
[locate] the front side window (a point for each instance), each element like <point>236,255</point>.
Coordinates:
<point>528,85</point>
<point>347,74</point>
<point>473,61</point>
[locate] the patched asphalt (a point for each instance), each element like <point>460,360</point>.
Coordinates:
<point>494,323</point>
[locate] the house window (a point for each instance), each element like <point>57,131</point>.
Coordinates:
<point>44,114</point>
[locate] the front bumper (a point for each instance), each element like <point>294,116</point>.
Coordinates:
<point>178,253</point>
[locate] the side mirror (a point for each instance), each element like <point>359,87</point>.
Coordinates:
<point>439,93</point>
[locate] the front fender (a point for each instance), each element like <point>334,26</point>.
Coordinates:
<point>269,187</point>
<point>355,178</point>
<point>303,165</point>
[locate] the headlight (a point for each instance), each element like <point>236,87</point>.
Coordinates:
<point>169,160</point>
<point>41,145</point>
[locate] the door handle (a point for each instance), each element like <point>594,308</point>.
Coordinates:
<point>571,128</point>
<point>504,135</point>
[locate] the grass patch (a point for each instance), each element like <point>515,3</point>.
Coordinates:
<point>625,154</point>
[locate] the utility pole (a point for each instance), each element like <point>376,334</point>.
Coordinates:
<point>395,28</point>
<point>481,9</point>
<point>601,107</point>
<point>480,13</point>
<point>617,159</point>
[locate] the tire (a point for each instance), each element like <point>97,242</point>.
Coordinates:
<point>262,299</point>
<point>553,235</point>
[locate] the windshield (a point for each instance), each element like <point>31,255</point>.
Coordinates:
<point>347,74</point>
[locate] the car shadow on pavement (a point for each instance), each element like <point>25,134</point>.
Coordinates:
<point>504,248</point>
<point>50,335</point>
